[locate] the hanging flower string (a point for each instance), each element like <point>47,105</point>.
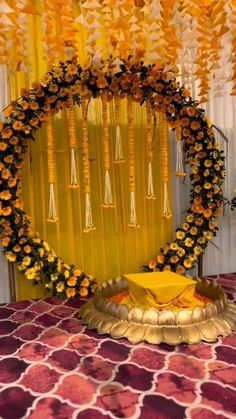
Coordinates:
<point>150,133</point>
<point>108,199</point>
<point>52,213</point>
<point>72,142</point>
<point>133,217</point>
<point>119,156</point>
<point>86,170</point>
<point>179,167</point>
<point>165,161</point>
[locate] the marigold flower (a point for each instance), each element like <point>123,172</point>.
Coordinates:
<point>83,292</point>
<point>71,281</point>
<point>18,125</point>
<point>180,235</point>
<point>167,268</point>
<point>5,241</point>
<point>160,259</point>
<point>174,259</point>
<point>5,174</point>
<point>3,146</point>
<point>193,231</point>
<point>85,282</point>
<point>181,252</point>
<point>11,257</point>
<point>5,195</point>
<point>70,292</point>
<point>17,248</point>
<point>77,272</point>
<point>27,249</point>
<point>6,133</point>
<point>6,211</point>
<point>188,242</point>
<point>152,264</point>
<point>187,263</point>
<point>60,286</point>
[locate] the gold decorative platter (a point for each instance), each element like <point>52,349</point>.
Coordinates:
<point>185,326</point>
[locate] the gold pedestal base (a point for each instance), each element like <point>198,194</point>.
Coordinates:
<point>187,325</point>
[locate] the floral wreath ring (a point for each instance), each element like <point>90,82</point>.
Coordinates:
<point>143,83</point>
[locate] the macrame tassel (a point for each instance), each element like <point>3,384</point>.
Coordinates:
<point>150,190</point>
<point>52,213</point>
<point>119,157</point>
<point>108,200</point>
<point>166,206</point>
<point>133,217</point>
<point>73,171</point>
<point>88,215</point>
<point>179,169</point>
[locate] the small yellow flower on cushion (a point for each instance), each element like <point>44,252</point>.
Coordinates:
<point>83,292</point>
<point>70,292</point>
<point>72,281</point>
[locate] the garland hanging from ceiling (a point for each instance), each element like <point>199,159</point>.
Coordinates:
<point>146,84</point>
<point>194,39</point>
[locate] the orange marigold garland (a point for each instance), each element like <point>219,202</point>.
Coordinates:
<point>119,156</point>
<point>150,134</point>
<point>108,199</point>
<point>165,163</point>
<point>33,255</point>
<point>52,212</point>
<point>133,217</point>
<point>72,142</point>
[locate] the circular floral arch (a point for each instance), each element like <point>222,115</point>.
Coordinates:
<point>144,84</point>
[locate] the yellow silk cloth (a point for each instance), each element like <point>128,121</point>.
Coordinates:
<point>160,290</point>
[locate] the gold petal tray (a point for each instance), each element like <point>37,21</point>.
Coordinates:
<point>153,326</point>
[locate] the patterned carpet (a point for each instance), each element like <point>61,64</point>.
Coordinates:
<point>51,366</point>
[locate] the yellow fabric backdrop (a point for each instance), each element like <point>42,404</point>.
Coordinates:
<point>113,248</point>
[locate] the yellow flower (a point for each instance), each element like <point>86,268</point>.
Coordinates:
<point>193,231</point>
<point>201,240</point>
<point>152,264</point>
<point>70,292</point>
<point>174,246</point>
<point>180,235</point>
<point>46,246</point>
<point>83,292</point>
<point>27,249</point>
<point>207,185</point>
<point>60,286</point>
<point>18,125</point>
<point>41,252</point>
<point>190,218</point>
<point>72,281</point>
<point>26,261</point>
<point>5,195</point>
<point>53,277</point>
<point>207,163</point>
<point>188,242</point>
<point>208,235</point>
<point>167,268</point>
<point>51,257</point>
<point>6,211</point>
<point>181,252</point>
<point>5,241</point>
<point>30,273</point>
<point>187,263</point>
<point>11,256</point>
<point>207,213</point>
<point>66,273</point>
<point>197,250</point>
<point>77,272</point>
<point>185,226</point>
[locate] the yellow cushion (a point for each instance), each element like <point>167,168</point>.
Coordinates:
<point>159,289</point>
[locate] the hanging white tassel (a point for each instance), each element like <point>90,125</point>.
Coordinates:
<point>150,190</point>
<point>88,215</point>
<point>108,200</point>
<point>166,207</point>
<point>52,213</point>
<point>179,168</point>
<point>133,216</point>
<point>119,157</point>
<point>73,171</point>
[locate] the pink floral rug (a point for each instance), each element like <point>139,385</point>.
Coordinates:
<point>51,366</point>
